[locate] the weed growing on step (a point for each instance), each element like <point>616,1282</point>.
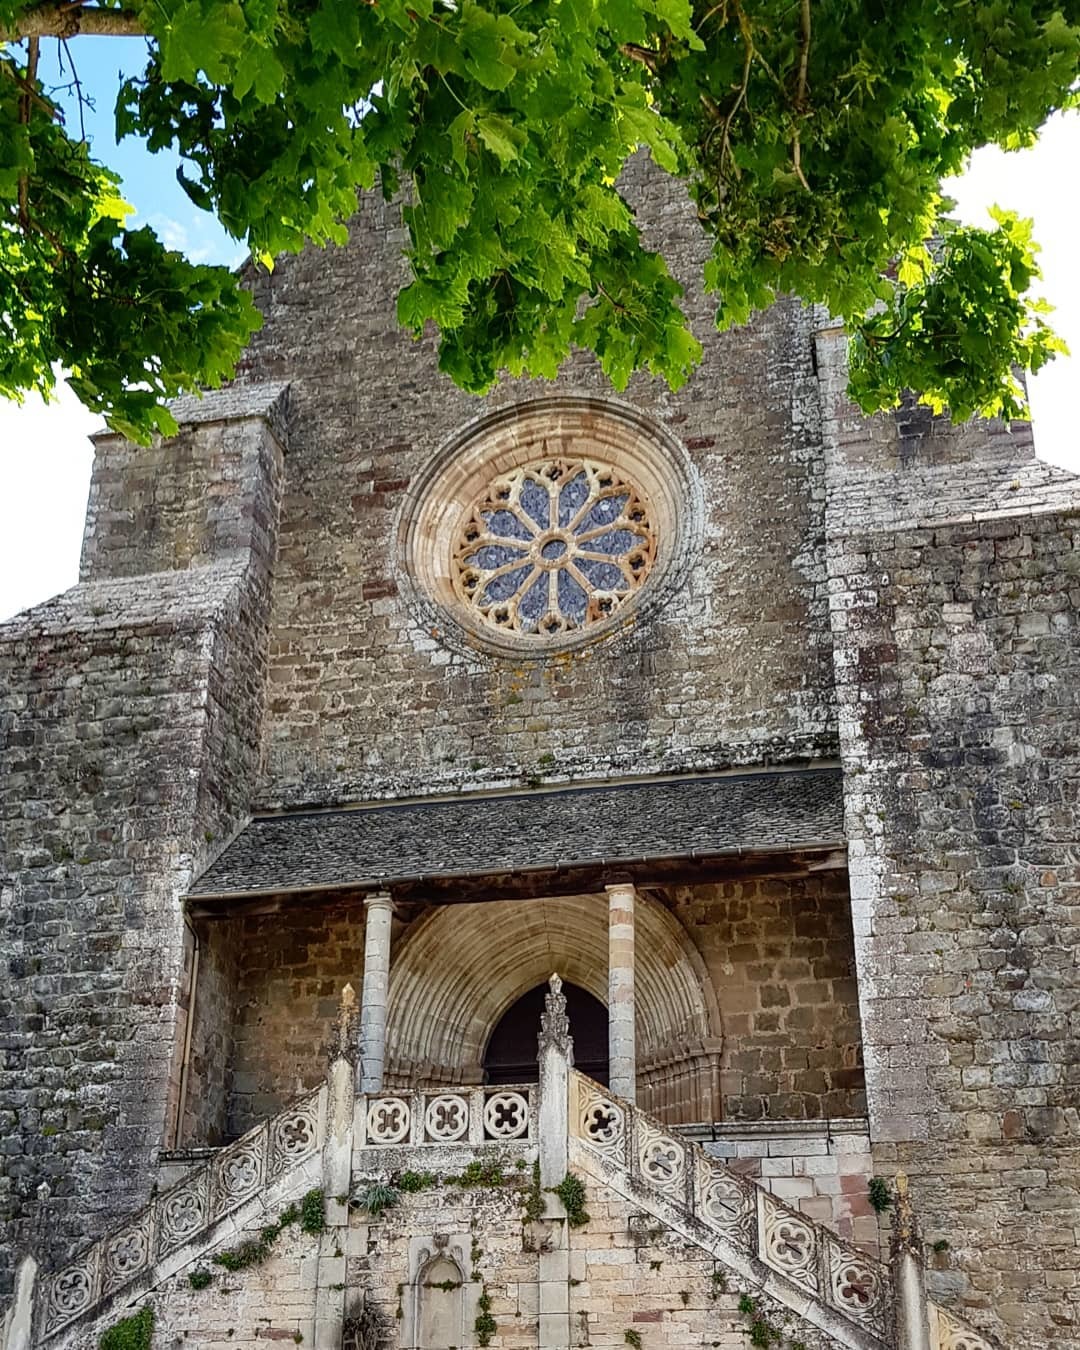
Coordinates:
<point>571,1191</point>
<point>411,1183</point>
<point>761,1331</point>
<point>308,1214</point>
<point>131,1333</point>
<point>378,1198</point>
<point>534,1199</point>
<point>879,1194</point>
<point>485,1325</point>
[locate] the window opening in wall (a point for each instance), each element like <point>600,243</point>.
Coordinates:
<point>553,546</point>
<point>510,1056</point>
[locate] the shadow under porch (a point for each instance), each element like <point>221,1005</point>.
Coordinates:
<point>739,978</point>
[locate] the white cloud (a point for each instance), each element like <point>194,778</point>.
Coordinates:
<point>1043,183</point>
<point>45,461</point>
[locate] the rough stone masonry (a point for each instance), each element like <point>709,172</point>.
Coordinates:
<point>893,595</point>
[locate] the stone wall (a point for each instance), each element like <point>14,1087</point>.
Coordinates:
<point>821,1169</point>
<point>209,1007</point>
<point>366,700</point>
<point>780,955</point>
<point>637,1276</point>
<point>627,1273</point>
<point>128,731</point>
<point>958,670</point>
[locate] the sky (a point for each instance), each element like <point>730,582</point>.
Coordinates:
<point>45,456</point>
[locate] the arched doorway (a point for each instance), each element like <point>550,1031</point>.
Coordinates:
<point>510,1054</point>
<point>443,1003</point>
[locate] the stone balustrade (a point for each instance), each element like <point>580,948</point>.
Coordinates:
<point>860,1302</point>
<point>184,1212</point>
<point>234,1175</point>
<point>472,1116</point>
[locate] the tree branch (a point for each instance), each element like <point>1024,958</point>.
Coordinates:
<point>25,105</point>
<point>66,20</point>
<point>804,51</point>
<point>648,58</point>
<point>800,93</point>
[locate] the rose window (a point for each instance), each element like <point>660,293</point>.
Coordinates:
<point>553,547</point>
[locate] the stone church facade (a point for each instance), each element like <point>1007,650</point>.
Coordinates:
<point>753,719</point>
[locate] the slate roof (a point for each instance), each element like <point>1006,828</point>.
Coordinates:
<point>476,835</point>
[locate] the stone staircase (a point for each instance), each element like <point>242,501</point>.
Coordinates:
<point>839,1289</point>
<point>276,1161</point>
<point>570,1121</point>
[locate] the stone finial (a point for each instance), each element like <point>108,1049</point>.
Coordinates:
<point>905,1225</point>
<point>554,1023</point>
<point>343,1041</point>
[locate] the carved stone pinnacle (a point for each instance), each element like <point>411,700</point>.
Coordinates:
<point>554,1023</point>
<point>343,1042</point>
<point>905,1225</point>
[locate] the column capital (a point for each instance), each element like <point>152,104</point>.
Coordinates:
<point>379,900</point>
<point>620,886</point>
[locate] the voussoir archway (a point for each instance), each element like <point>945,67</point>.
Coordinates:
<point>458,969</point>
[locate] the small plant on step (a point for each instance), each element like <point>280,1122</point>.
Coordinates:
<point>632,1337</point>
<point>410,1183</point>
<point>199,1278</point>
<point>313,1213</point>
<point>485,1325</point>
<point>571,1191</point>
<point>378,1198</point>
<point>533,1206</point>
<point>879,1194</point>
<point>480,1173</point>
<point>132,1333</point>
<point>761,1331</point>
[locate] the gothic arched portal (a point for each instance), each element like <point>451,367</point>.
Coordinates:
<point>458,970</point>
<point>510,1054</point>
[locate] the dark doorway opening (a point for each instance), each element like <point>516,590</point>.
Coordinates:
<point>510,1056</point>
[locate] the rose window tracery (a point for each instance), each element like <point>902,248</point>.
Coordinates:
<point>553,547</point>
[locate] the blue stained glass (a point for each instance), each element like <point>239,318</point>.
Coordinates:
<point>618,541</point>
<point>604,576</point>
<point>573,601</point>
<point>536,502</point>
<point>554,548</point>
<point>572,497</point>
<point>605,512</point>
<point>494,555</point>
<point>503,587</point>
<point>506,525</point>
<point>533,605</point>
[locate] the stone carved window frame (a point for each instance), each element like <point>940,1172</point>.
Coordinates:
<point>496,443</point>
<point>425,1252</point>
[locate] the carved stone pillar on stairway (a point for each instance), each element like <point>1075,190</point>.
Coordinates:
<point>556,1059</point>
<point>337,1174</point>
<point>909,1274</point>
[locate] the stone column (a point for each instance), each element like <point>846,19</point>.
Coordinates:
<point>380,911</point>
<point>622,1053</point>
<point>909,1275</point>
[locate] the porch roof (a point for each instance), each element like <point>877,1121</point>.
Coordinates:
<point>609,826</point>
